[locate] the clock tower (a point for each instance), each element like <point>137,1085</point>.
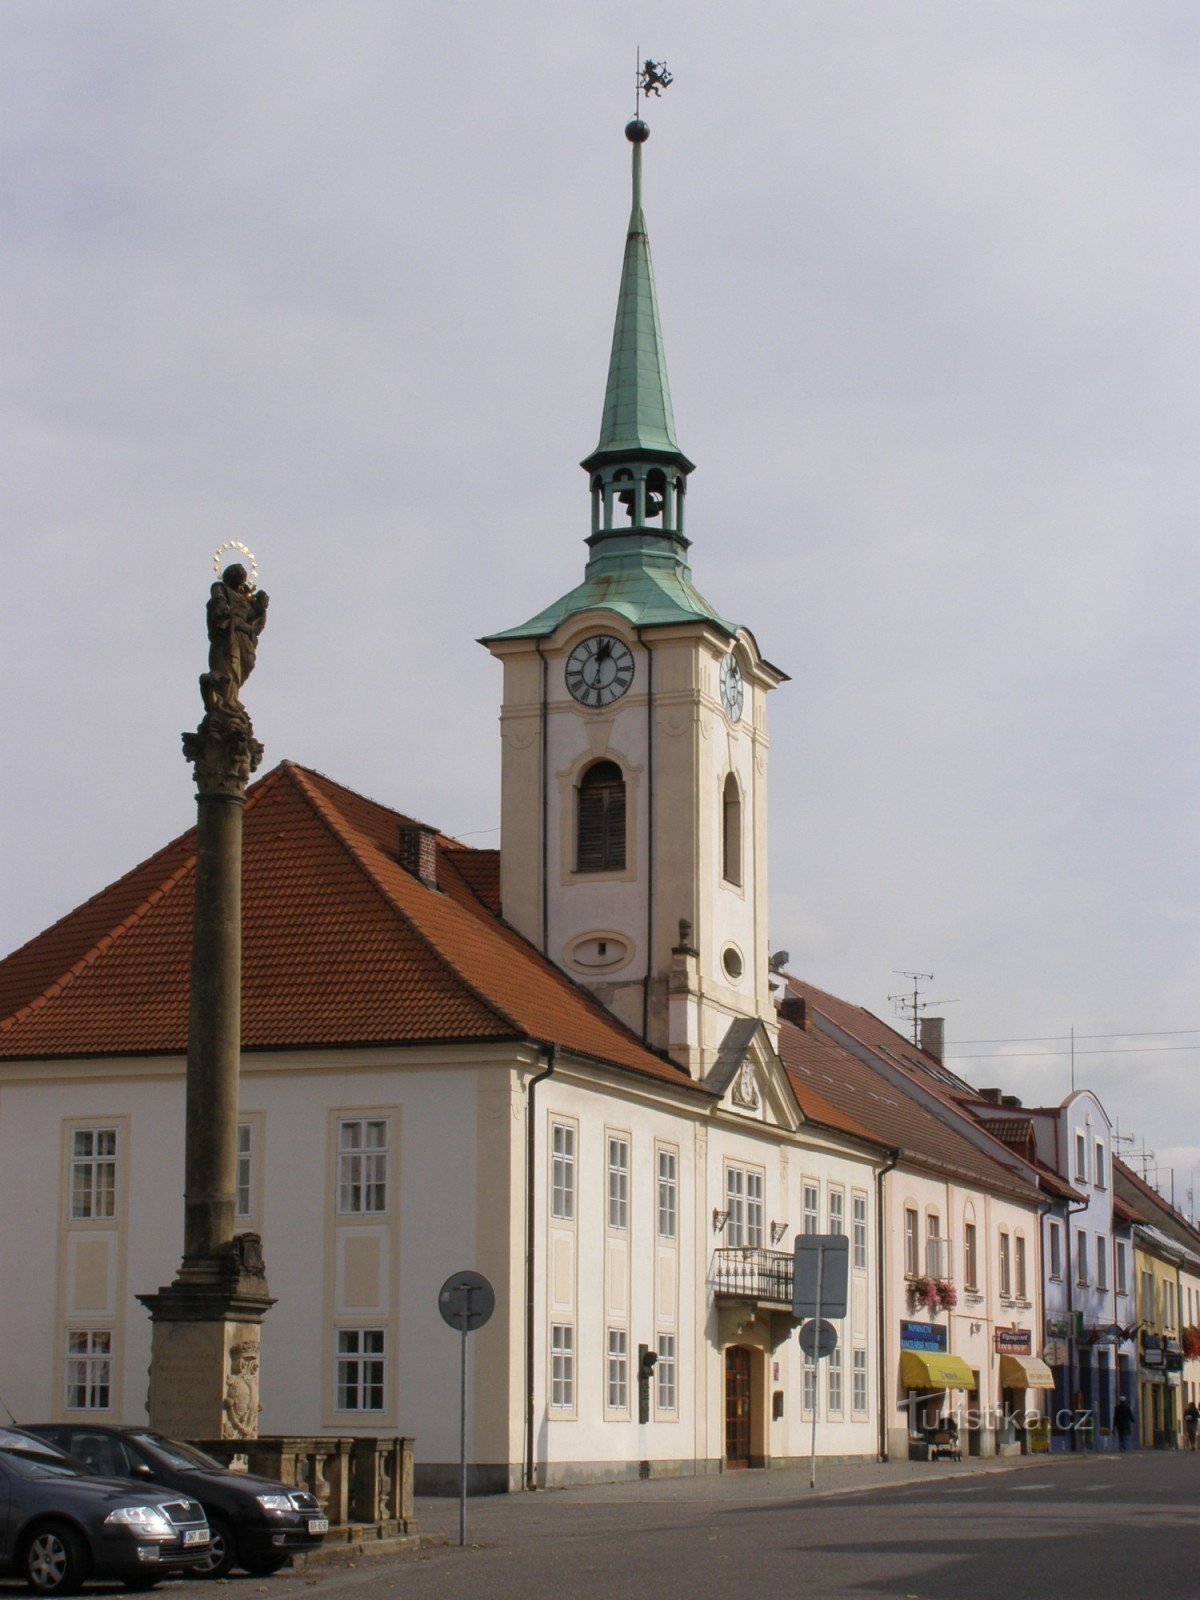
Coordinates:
<point>633,726</point>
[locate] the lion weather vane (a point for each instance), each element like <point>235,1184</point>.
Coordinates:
<point>653,78</point>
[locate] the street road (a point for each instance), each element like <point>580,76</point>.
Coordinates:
<point>1121,1527</point>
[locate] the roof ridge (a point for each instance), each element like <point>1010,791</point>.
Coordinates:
<point>100,948</point>
<point>341,829</point>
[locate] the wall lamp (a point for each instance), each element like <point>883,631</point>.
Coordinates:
<point>720,1218</point>
<point>778,1229</point>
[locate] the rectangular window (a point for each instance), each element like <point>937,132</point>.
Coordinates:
<point>754,1209</point>
<point>245,1154</point>
<point>860,1382</point>
<point>562,1366</point>
<point>1147,1297</point>
<point>837,1211</point>
<point>834,1363</point>
<point>618,1183</point>
<point>810,1385</point>
<point>735,1204</point>
<point>1081,1157</point>
<point>664,1372</point>
<point>1081,1255</point>
<point>812,1207</point>
<point>912,1264</point>
<point>1101,1165</point>
<point>362,1170</point>
<point>937,1249</point>
<point>562,1171</point>
<point>618,1369</point>
<point>1122,1268</point>
<point>1022,1291</point>
<point>1005,1265</point>
<point>1101,1261</point>
<point>360,1369</point>
<point>89,1369</point>
<point>971,1255</point>
<point>668,1194</point>
<point>93,1173</point>
<point>1056,1265</point>
<point>860,1232</point>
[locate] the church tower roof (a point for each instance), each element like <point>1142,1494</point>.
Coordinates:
<point>637,401</point>
<point>638,474</point>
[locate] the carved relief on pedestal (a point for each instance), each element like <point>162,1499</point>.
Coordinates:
<point>240,1404</point>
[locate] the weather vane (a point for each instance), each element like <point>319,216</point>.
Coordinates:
<point>653,78</point>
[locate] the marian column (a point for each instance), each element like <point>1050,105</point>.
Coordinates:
<point>205,1353</point>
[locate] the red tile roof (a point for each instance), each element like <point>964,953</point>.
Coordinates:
<point>889,1115</point>
<point>341,946</point>
<point>1147,1205</point>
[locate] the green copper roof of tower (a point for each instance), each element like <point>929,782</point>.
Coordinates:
<point>637,401</point>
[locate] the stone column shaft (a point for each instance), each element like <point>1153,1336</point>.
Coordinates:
<point>214,1030</point>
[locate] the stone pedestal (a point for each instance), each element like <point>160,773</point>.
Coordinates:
<point>204,1359</point>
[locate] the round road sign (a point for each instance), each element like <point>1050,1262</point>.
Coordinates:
<point>466,1300</point>
<point>818,1339</point>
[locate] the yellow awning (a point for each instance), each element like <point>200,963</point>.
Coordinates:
<point>1025,1372</point>
<point>924,1369</point>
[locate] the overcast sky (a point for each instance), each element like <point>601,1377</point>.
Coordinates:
<point>338,279</point>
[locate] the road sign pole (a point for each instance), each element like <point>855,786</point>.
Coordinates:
<point>462,1423</point>
<point>812,1476</point>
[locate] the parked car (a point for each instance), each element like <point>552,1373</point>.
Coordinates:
<point>61,1524</point>
<point>256,1523</point>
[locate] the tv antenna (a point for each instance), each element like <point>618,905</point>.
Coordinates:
<point>911,1005</point>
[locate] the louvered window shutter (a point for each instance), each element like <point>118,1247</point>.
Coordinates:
<point>600,844</point>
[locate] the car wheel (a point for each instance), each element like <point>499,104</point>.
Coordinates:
<point>222,1550</point>
<point>264,1566</point>
<point>55,1560</point>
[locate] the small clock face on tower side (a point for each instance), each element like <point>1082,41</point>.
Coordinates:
<point>599,670</point>
<point>731,687</point>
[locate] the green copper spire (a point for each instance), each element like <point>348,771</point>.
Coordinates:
<point>637,401</point>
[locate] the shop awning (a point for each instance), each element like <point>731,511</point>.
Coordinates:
<point>924,1369</point>
<point>1025,1372</point>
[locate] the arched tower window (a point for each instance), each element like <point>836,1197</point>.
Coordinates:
<point>731,831</point>
<point>600,838</point>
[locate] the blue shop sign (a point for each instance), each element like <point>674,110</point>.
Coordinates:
<point>927,1336</point>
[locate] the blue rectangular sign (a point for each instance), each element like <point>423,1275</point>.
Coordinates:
<point>927,1336</point>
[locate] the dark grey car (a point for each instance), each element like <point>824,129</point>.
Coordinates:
<point>60,1525</point>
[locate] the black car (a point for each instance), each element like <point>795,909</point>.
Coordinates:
<point>256,1523</point>
<point>61,1524</point>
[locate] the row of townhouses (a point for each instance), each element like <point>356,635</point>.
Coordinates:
<point>572,1064</point>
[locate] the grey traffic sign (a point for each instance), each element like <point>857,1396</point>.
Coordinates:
<point>818,1339</point>
<point>821,1274</point>
<point>466,1300</point>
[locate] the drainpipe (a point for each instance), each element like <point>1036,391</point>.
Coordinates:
<point>880,1291</point>
<point>1070,1211</point>
<point>537,645</point>
<point>549,1053</point>
<point>649,836</point>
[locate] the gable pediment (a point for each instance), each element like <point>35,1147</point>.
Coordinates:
<point>750,1078</point>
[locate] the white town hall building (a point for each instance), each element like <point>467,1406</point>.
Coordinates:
<point>555,1064</point>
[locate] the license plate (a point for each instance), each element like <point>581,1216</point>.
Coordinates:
<point>318,1524</point>
<point>195,1536</point>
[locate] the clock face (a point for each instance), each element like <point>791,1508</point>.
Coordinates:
<point>731,687</point>
<point>599,670</point>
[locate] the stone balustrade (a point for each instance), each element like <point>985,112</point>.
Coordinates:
<point>364,1485</point>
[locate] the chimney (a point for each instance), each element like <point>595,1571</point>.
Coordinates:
<point>793,1008</point>
<point>418,852</point>
<point>933,1037</point>
<point>1011,1101</point>
<point>991,1095</point>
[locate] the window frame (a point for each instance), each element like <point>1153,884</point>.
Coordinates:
<point>1055,1264</point>
<point>562,1170</point>
<point>666,1388</point>
<point>860,1235</point>
<point>605,852</point>
<point>859,1408</point>
<point>360,1371</point>
<point>1005,1261</point>
<point>616,1371</point>
<point>971,1255</point>
<point>88,1370</point>
<point>562,1366</point>
<point>732,869</point>
<point>363,1170</point>
<point>91,1165</point>
<point>810,1206</point>
<point>912,1242</point>
<point>666,1208</point>
<point>837,1210</point>
<point>616,1212</point>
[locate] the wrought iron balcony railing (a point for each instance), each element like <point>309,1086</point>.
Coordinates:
<point>752,1273</point>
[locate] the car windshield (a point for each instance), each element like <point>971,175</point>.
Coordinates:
<point>30,1461</point>
<point>175,1454</point>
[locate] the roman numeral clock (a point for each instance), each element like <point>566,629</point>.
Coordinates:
<point>599,670</point>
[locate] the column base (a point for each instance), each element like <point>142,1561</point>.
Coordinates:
<point>204,1362</point>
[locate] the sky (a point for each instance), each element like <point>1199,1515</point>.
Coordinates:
<point>338,280</point>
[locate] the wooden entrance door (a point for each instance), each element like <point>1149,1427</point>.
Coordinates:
<point>737,1407</point>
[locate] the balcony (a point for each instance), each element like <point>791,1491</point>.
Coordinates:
<point>750,1273</point>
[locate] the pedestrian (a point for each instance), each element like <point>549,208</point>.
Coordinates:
<point>1123,1421</point>
<point>1191,1424</point>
